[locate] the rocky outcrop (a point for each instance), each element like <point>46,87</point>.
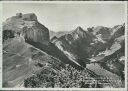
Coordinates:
<point>28,26</point>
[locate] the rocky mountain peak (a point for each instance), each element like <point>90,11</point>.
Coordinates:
<point>79,30</point>
<point>78,33</point>
<point>29,17</point>
<point>28,26</point>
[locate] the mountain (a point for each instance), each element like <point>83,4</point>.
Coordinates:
<point>33,56</point>
<point>75,45</point>
<point>21,59</point>
<point>57,34</point>
<point>112,58</point>
<point>104,32</point>
<point>26,25</point>
<point>34,33</point>
<point>80,45</point>
<point>118,31</point>
<point>115,52</point>
<point>27,49</point>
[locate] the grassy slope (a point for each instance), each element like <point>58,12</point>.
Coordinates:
<point>20,60</point>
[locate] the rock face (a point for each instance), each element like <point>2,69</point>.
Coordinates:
<point>28,26</point>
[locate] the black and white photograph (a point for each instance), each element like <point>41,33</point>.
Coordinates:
<point>64,45</point>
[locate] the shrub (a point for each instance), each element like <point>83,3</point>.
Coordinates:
<point>67,77</point>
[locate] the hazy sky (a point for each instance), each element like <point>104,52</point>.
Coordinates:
<point>59,17</point>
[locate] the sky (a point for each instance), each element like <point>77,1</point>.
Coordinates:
<point>67,16</point>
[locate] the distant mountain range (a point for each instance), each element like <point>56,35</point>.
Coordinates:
<point>29,48</point>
